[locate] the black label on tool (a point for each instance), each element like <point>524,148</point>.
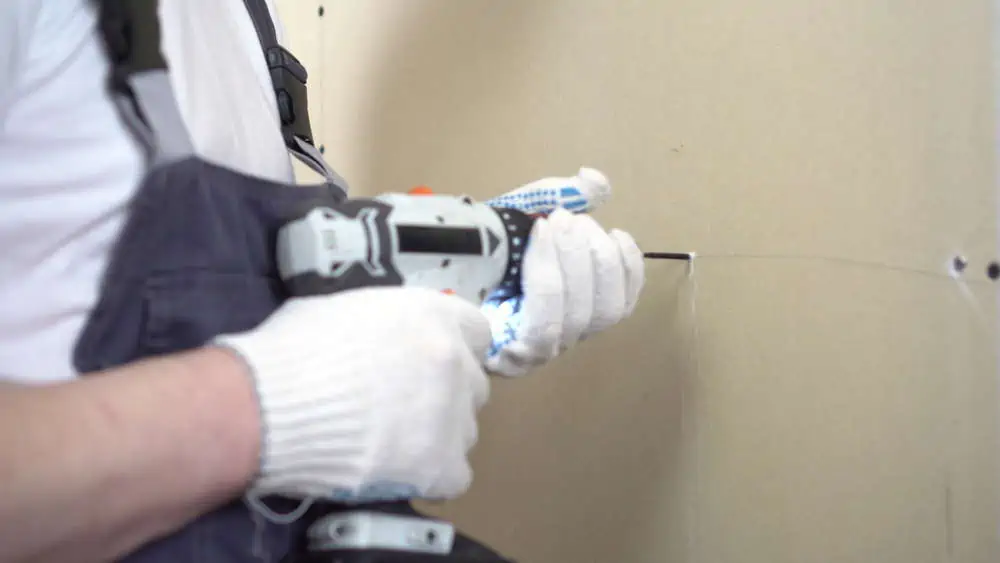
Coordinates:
<point>439,240</point>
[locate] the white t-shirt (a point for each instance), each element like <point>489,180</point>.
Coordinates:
<point>68,166</point>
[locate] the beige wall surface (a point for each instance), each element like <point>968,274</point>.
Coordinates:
<point>819,388</point>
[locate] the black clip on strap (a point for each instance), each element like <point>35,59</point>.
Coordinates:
<point>289,79</point>
<point>131,33</point>
<point>288,76</point>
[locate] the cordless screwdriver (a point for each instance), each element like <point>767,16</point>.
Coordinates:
<point>454,244</point>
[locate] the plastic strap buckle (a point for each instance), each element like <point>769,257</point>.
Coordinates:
<point>289,79</point>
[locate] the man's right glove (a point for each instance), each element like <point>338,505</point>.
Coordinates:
<point>371,394</point>
<point>578,279</point>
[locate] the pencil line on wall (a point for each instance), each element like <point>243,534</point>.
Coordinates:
<point>944,274</point>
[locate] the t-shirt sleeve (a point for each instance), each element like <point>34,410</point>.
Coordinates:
<point>10,44</point>
<point>17,22</point>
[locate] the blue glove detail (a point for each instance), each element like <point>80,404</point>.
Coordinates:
<point>542,201</point>
<point>383,491</point>
<point>504,313</point>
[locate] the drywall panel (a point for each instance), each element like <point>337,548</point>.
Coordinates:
<point>819,388</point>
<point>854,438</point>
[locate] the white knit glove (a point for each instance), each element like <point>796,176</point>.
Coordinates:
<point>370,394</point>
<point>577,279</point>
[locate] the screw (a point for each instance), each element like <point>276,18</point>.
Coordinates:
<point>341,530</point>
<point>993,271</point>
<point>959,263</point>
<point>322,149</point>
<point>423,538</point>
<point>321,11</point>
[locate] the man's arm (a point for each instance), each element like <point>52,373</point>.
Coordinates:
<point>92,469</point>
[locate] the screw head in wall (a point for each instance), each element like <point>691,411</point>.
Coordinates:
<point>959,264</point>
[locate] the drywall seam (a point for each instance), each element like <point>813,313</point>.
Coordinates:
<point>996,164</point>
<point>689,422</point>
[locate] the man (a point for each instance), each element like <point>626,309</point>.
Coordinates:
<point>150,375</point>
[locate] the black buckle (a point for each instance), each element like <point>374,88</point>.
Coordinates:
<point>117,32</point>
<point>289,79</point>
<point>117,37</point>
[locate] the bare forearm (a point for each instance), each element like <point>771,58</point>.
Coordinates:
<point>95,468</point>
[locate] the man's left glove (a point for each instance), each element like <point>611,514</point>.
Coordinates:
<point>577,280</point>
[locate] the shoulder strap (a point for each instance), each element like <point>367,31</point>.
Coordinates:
<point>140,84</point>
<point>289,77</point>
<point>138,79</point>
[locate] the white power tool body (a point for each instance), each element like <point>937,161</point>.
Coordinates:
<point>447,243</point>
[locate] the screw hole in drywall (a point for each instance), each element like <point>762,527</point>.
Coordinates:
<point>993,271</point>
<point>321,11</point>
<point>959,264</point>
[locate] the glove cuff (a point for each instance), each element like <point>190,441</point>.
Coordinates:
<point>315,427</point>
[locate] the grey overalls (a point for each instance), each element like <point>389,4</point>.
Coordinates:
<point>195,258</point>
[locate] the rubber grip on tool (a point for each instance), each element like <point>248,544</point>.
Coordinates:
<point>518,225</point>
